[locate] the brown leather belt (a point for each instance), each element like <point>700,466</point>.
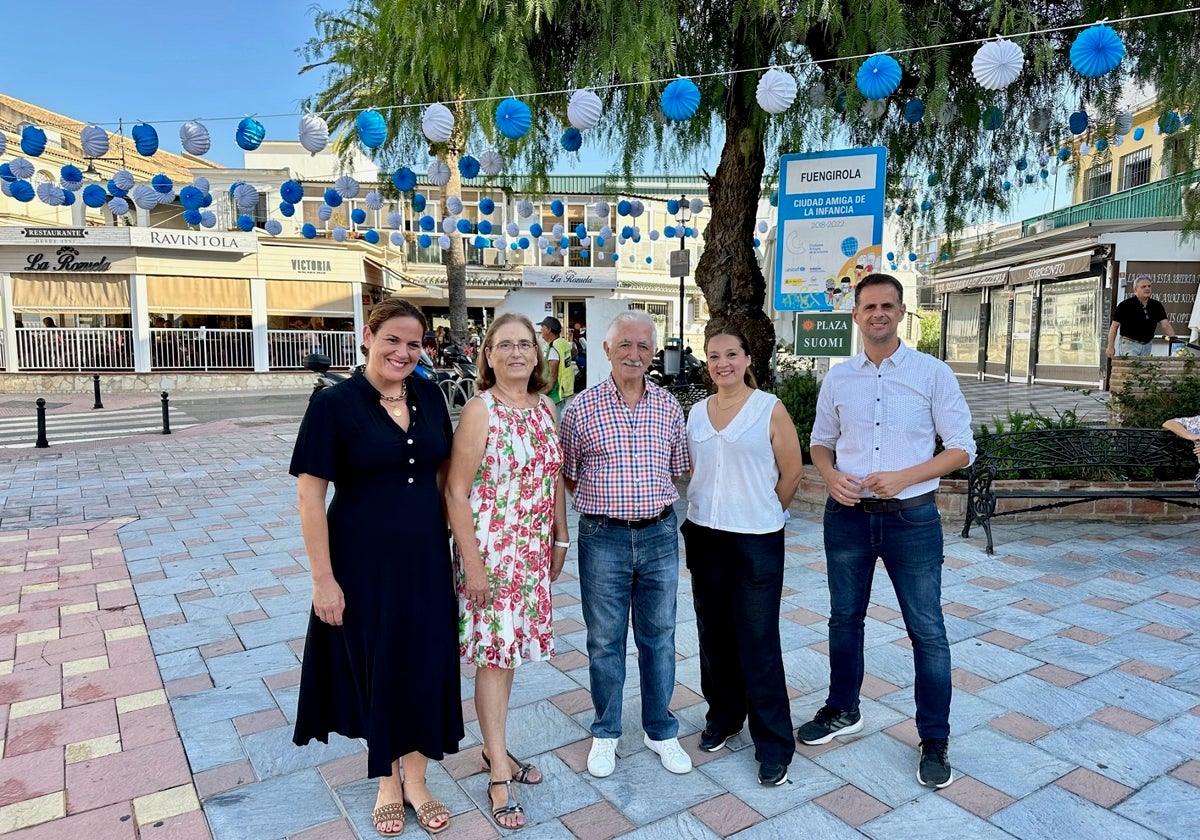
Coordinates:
<point>893,505</point>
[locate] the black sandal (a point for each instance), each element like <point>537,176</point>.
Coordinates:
<point>524,768</point>
<point>510,808</point>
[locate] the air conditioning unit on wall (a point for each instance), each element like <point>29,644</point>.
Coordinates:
<point>493,257</point>
<point>1041,227</point>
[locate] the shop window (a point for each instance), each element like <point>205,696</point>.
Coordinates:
<point>1135,168</point>
<point>962,328</point>
<point>997,337</point>
<point>1069,333</point>
<point>1099,181</point>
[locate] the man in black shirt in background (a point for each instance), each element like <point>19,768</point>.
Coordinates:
<point>1138,318</point>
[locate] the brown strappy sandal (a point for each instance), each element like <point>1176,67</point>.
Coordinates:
<point>391,812</point>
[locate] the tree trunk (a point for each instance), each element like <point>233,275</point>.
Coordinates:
<point>456,263</point>
<point>728,272</point>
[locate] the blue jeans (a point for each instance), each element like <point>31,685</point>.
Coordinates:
<point>622,568</point>
<point>1135,348</point>
<point>737,584</point>
<point>910,544</point>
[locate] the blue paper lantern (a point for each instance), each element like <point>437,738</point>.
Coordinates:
<point>584,253</point>
<point>670,232</point>
<point>1139,133</point>
<point>372,128</point>
<point>1006,186</point>
<point>332,197</point>
<point>250,134</point>
<point>1022,164</point>
<point>22,190</point>
<point>927,205</point>
<point>914,111</point>
<point>1169,122</point>
<point>564,243</point>
<point>513,118</point>
<point>468,167</point>
<point>487,206</point>
<point>627,232</point>
<point>878,77</point>
<point>581,231</point>
<point>680,100</point>
<point>1064,154</point>
<point>291,191</point>
<point>287,208</point>
<point>424,240</point>
<point>650,260</point>
<point>426,222</point>
<point>535,229</point>
<point>418,202</point>
<point>556,208</point>
<point>94,195</point>
<point>191,216</point>
<point>464,226</point>
<point>1043,174</point>
<point>145,139</point>
<point>162,184</point>
<point>115,190</point>
<point>245,223</point>
<point>572,139</point>
<point>1097,50</point>
<point>70,174</point>
<point>309,231</point>
<point>485,227</point>
<point>358,215</point>
<point>672,206</point>
<point>599,241</point>
<point>623,208</point>
<point>1101,144</point>
<point>482,242</point>
<point>523,242</point>
<point>404,179</point>
<point>993,118</point>
<point>33,140</point>
<point>773,199</point>
<point>978,172</point>
<point>371,237</point>
<point>6,174</point>
<point>849,246</point>
<point>68,198</point>
<point>1078,122</point>
<point>615,257</point>
<point>934,179</point>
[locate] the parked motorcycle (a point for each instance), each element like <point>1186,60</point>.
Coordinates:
<point>319,363</point>
<point>693,368</point>
<point>462,364</point>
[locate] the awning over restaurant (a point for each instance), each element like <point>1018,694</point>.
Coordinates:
<point>309,297</point>
<point>970,280</point>
<point>76,293</point>
<point>1063,266</point>
<point>208,295</point>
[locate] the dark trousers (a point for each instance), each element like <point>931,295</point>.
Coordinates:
<point>737,584</point>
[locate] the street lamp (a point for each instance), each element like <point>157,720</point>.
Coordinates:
<point>683,211</point>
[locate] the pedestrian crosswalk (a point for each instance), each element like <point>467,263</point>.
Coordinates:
<point>101,424</point>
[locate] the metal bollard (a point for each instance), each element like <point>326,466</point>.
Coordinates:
<point>96,390</point>
<point>166,415</point>
<point>42,443</point>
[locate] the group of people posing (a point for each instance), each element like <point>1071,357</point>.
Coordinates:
<point>396,610</point>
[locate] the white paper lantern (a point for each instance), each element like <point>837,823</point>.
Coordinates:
<point>816,95</point>
<point>512,229</point>
<point>245,196</point>
<point>1124,124</point>
<point>94,140</point>
<point>636,208</point>
<point>437,123</point>
<point>346,187</point>
<point>122,179</point>
<point>557,230</point>
<point>314,133</point>
<point>600,208</point>
<point>776,91</point>
<point>51,194</point>
<point>208,219</point>
<point>374,200</point>
<point>500,242</point>
<point>584,109</point>
<point>397,238</point>
<point>324,212</point>
<point>339,234</point>
<point>118,206</point>
<point>454,204</point>
<point>165,198</point>
<point>5,188</point>
<point>1118,140</point>
<point>194,138</point>
<point>762,227</point>
<point>393,219</point>
<point>1085,148</point>
<point>3,144</point>
<point>605,232</point>
<point>202,184</point>
<point>696,205</point>
<point>524,208</point>
<point>543,242</point>
<point>448,224</point>
<point>144,196</point>
<point>273,227</point>
<point>439,173</point>
<point>654,234</point>
<point>21,168</point>
<point>491,163</point>
<point>873,109</point>
<point>997,64</point>
<point>583,243</point>
<point>444,242</point>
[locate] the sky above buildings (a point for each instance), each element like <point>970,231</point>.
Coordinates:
<point>165,62</point>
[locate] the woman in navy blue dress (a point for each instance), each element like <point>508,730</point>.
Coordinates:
<point>381,656</point>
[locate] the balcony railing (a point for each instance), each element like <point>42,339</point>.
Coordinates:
<point>1157,199</point>
<point>288,348</point>
<point>201,349</point>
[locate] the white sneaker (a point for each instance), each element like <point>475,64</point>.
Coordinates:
<point>602,758</point>
<point>673,756</point>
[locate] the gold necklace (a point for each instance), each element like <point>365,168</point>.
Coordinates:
<point>398,411</point>
<point>735,403</point>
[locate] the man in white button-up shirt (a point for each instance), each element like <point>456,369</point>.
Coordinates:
<point>878,417</point>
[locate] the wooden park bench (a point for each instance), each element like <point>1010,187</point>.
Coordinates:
<point>1089,456</point>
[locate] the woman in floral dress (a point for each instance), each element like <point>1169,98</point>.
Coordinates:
<point>1187,428</point>
<point>507,509</point>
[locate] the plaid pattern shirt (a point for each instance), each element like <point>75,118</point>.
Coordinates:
<point>623,460</point>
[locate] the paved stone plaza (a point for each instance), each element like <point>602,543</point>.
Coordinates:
<point>154,597</point>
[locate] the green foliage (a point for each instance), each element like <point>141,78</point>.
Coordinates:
<point>1029,421</point>
<point>1154,394</point>
<point>797,391</point>
<point>931,332</point>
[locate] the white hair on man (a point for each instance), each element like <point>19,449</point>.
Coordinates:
<point>631,316</point>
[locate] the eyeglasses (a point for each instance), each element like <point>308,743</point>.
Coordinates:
<point>524,346</point>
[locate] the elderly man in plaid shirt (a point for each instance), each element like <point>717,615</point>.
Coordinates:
<point>624,444</point>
